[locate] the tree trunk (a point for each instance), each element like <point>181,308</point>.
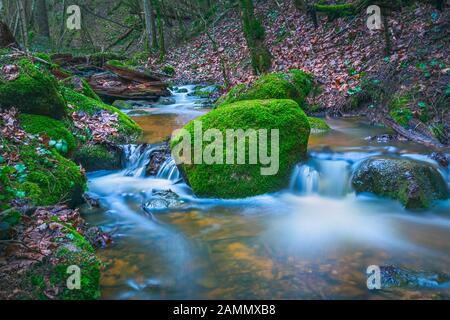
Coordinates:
<point>6,37</point>
<point>387,38</point>
<point>41,19</point>
<point>23,23</point>
<point>160,27</point>
<point>148,15</point>
<point>254,34</point>
<point>440,4</point>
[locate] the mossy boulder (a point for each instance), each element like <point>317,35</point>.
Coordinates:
<point>129,130</point>
<point>97,157</point>
<point>415,184</point>
<point>72,250</point>
<point>223,180</point>
<point>54,129</point>
<point>34,91</point>
<point>81,86</point>
<point>318,125</point>
<point>81,254</point>
<point>295,85</point>
<point>50,178</point>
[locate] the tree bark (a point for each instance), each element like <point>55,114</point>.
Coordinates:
<point>41,19</point>
<point>23,23</point>
<point>148,15</point>
<point>254,34</point>
<point>160,29</point>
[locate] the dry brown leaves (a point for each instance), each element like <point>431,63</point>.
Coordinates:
<point>10,72</point>
<point>336,52</point>
<point>102,125</point>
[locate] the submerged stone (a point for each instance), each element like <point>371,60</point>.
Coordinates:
<point>414,183</point>
<point>162,200</point>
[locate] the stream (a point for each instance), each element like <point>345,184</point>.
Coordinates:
<point>313,240</point>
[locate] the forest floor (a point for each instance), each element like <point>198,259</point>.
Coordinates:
<point>341,53</point>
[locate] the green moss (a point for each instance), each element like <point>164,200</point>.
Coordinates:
<point>97,157</point>
<point>59,179</point>
<point>116,63</point>
<point>99,58</point>
<point>294,85</point>
<point>169,70</point>
<point>44,56</point>
<point>34,92</point>
<point>336,10</point>
<point>402,116</point>
<point>88,92</point>
<point>84,257</point>
<point>75,250</point>
<point>302,80</point>
<point>32,191</point>
<point>128,129</point>
<point>54,129</point>
<point>243,180</point>
<point>415,184</point>
<point>318,125</point>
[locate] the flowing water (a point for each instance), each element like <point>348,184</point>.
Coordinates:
<point>313,240</point>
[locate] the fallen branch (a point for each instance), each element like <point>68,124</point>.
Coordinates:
<point>412,135</point>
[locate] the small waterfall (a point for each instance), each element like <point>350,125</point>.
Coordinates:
<point>323,177</point>
<point>138,157</point>
<point>305,180</point>
<point>169,170</point>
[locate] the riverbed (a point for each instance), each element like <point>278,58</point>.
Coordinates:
<point>313,240</point>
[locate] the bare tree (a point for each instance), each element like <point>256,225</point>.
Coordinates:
<point>41,19</point>
<point>148,15</point>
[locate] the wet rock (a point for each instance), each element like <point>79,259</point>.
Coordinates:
<point>414,183</point>
<point>392,276</point>
<point>381,138</point>
<point>165,101</point>
<point>157,158</point>
<point>163,200</point>
<point>139,112</point>
<point>91,200</point>
<point>130,104</point>
<point>440,158</point>
<point>182,90</point>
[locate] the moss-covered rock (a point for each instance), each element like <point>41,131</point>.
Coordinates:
<point>34,91</point>
<point>72,250</point>
<point>295,85</point>
<point>97,157</point>
<point>128,129</point>
<point>318,125</point>
<point>244,180</point>
<point>54,129</point>
<point>81,86</point>
<point>80,254</point>
<point>50,178</point>
<point>415,184</point>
